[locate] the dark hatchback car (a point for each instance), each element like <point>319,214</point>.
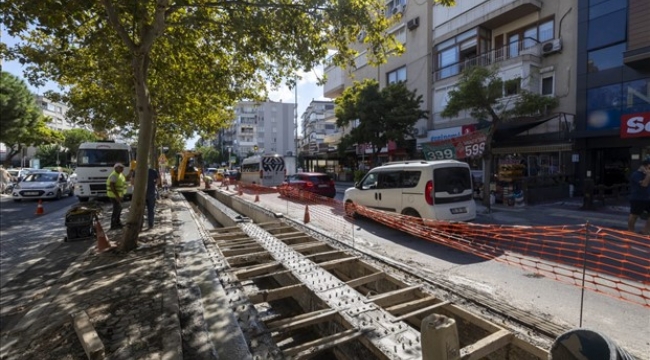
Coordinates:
<point>318,183</point>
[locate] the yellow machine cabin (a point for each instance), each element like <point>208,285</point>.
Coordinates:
<point>187,170</point>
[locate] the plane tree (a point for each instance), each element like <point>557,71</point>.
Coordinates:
<point>22,123</point>
<point>378,115</point>
<point>480,91</point>
<point>181,64</point>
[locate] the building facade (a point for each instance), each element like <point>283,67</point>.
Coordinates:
<point>613,89</point>
<point>261,128</point>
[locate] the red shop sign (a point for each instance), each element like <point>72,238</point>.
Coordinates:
<point>635,125</point>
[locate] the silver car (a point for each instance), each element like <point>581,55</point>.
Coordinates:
<point>43,184</point>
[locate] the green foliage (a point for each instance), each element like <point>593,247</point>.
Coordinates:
<point>383,115</point>
<point>49,154</point>
<point>210,155</point>
<point>21,123</point>
<point>181,64</point>
<point>480,91</point>
<point>74,138</point>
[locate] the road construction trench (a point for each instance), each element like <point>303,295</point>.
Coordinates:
<point>298,296</point>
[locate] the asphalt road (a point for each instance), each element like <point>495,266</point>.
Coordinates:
<point>14,214</point>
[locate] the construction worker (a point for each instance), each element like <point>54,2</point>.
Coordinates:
<point>116,189</point>
<point>153,184</point>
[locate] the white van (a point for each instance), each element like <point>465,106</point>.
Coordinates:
<point>440,190</point>
<point>264,170</point>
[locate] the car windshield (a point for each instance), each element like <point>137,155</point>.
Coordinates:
<point>38,177</point>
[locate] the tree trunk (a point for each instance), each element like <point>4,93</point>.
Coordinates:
<point>487,164</point>
<point>145,117</point>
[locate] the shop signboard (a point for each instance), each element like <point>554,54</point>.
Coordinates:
<point>635,125</point>
<point>469,145</point>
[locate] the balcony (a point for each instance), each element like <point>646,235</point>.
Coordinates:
<point>523,53</point>
<point>489,14</point>
<point>335,84</point>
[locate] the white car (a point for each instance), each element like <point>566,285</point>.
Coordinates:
<point>43,184</point>
<point>439,190</point>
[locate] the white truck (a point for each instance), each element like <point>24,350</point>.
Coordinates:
<point>95,161</point>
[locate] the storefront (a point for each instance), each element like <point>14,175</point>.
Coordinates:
<point>532,174</point>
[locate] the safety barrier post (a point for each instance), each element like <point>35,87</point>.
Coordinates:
<point>584,270</point>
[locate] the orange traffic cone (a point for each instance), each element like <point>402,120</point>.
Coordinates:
<point>39,208</point>
<point>102,240</point>
<point>306,219</point>
<point>257,198</point>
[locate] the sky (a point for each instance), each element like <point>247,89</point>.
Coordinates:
<point>308,89</point>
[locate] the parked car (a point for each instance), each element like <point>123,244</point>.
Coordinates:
<point>19,174</point>
<point>440,190</point>
<point>317,183</point>
<point>43,184</point>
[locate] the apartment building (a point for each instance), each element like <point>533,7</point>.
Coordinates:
<point>532,44</point>
<point>261,128</point>
<point>613,89</point>
<point>414,30</point>
<point>319,137</point>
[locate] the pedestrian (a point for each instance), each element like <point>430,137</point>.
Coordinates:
<point>116,189</point>
<point>153,183</point>
<point>640,196</point>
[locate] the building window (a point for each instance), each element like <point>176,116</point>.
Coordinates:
<point>600,8</point>
<point>400,35</point>
<point>511,87</point>
<point>397,75</point>
<point>548,85</point>
<point>607,58</point>
<point>607,29</point>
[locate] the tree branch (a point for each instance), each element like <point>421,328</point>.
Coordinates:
<point>158,26</point>
<point>115,23</point>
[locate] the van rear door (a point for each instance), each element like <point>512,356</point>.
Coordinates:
<point>452,184</point>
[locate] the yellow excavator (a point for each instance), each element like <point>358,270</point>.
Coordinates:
<point>187,170</point>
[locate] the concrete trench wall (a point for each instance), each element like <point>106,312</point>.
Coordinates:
<point>468,331</point>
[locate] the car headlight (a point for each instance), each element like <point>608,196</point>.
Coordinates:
<point>51,186</point>
<point>16,187</point>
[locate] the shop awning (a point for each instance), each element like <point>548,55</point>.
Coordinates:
<point>532,149</point>
<point>512,128</point>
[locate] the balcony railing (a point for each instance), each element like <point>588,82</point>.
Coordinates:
<point>510,51</point>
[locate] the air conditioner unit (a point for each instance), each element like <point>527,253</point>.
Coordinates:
<point>394,10</point>
<point>413,23</point>
<point>402,8</point>
<point>361,36</point>
<point>551,46</point>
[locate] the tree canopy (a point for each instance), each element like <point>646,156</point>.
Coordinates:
<point>74,138</point>
<point>481,92</point>
<point>182,64</point>
<point>22,123</point>
<point>383,115</point>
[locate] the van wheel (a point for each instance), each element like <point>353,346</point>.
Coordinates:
<point>349,210</point>
<point>411,212</point>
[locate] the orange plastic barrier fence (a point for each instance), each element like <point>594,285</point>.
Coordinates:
<point>616,263</point>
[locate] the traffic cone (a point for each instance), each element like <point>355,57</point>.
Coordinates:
<point>102,240</point>
<point>257,198</point>
<point>239,191</point>
<point>39,208</point>
<point>306,219</point>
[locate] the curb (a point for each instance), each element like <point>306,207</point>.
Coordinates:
<point>172,342</point>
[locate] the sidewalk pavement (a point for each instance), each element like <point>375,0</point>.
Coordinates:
<point>568,211</point>
<point>129,299</point>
